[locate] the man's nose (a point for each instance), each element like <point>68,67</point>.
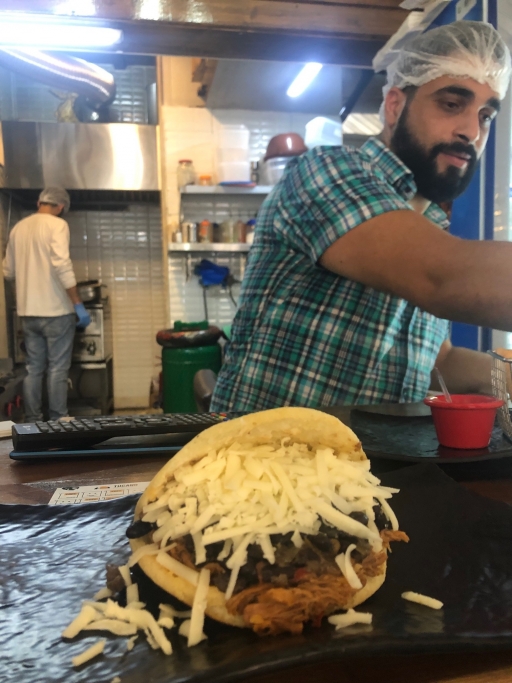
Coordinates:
<point>468,129</point>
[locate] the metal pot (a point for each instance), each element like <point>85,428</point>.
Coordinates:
<point>89,291</point>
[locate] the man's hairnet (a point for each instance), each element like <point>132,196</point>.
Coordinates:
<point>463,49</point>
<point>55,195</point>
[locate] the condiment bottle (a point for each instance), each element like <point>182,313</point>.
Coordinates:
<point>189,232</point>
<point>240,231</point>
<point>204,231</point>
<point>255,172</point>
<point>249,235</point>
<point>216,233</point>
<point>186,173</point>
<point>227,231</point>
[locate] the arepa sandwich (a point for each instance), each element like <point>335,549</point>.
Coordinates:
<point>274,518</point>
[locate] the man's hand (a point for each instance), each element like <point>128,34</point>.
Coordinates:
<point>464,371</point>
<point>84,318</point>
<point>507,353</point>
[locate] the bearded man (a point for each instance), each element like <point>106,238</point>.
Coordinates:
<point>353,277</point>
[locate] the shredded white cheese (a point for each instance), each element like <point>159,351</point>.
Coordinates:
<point>150,549</point>
<point>242,495</point>
<point>124,570</point>
<point>169,611</point>
<point>199,548</point>
<point>88,654</point>
<point>177,568</point>
<point>166,622</point>
<point>344,562</point>
<point>389,513</point>
<point>124,621</point>
<point>102,594</point>
<point>131,642</point>
<point>118,628</point>
<point>87,614</point>
<point>184,628</point>
<point>422,599</point>
<point>198,608</point>
<point>351,617</point>
<point>132,594</point>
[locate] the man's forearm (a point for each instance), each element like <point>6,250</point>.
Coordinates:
<point>465,372</point>
<point>72,292</point>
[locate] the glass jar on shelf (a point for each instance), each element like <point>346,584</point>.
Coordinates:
<point>240,232</point>
<point>205,231</point>
<point>189,231</point>
<point>227,231</point>
<point>205,180</point>
<point>186,173</point>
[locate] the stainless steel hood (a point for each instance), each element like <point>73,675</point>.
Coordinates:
<point>114,156</point>
<point>62,71</point>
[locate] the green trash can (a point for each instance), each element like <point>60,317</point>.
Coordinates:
<point>179,367</point>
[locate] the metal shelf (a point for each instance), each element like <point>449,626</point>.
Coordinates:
<point>225,189</point>
<point>208,247</point>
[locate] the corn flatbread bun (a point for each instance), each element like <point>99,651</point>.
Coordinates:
<point>313,430</point>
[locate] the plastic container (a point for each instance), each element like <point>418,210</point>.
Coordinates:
<point>234,137</point>
<point>465,423</point>
<point>178,369</point>
<point>232,154</point>
<point>273,169</point>
<point>234,171</point>
<point>322,131</point>
<point>186,173</point>
<point>205,180</point>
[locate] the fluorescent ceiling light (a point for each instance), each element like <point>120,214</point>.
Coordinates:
<point>304,78</point>
<point>37,33</point>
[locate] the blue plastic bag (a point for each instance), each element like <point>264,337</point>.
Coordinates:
<point>211,274</point>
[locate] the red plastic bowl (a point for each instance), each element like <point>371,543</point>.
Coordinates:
<point>467,422</point>
<point>285,145</point>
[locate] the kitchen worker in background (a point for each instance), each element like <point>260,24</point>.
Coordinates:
<point>353,277</point>
<point>48,305</point>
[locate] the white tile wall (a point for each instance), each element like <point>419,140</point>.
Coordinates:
<point>263,125</point>
<point>187,296</point>
<point>124,250</point>
<point>193,133</point>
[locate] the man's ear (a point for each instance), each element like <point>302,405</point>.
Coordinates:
<point>393,106</point>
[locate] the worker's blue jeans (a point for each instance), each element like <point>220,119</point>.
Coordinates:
<point>49,345</point>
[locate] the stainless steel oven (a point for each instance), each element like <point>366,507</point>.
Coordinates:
<point>94,343</point>
<point>91,390</point>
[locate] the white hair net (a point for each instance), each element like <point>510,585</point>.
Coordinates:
<point>55,195</point>
<point>463,49</point>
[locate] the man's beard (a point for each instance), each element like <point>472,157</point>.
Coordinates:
<point>433,185</point>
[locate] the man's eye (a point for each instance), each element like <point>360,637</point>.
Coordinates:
<point>487,117</point>
<point>450,105</point>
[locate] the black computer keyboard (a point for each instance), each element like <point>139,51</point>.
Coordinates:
<point>83,432</point>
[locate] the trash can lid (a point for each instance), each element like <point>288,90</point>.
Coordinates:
<point>187,338</point>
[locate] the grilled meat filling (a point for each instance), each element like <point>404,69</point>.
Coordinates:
<point>316,555</point>
<point>302,585</point>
